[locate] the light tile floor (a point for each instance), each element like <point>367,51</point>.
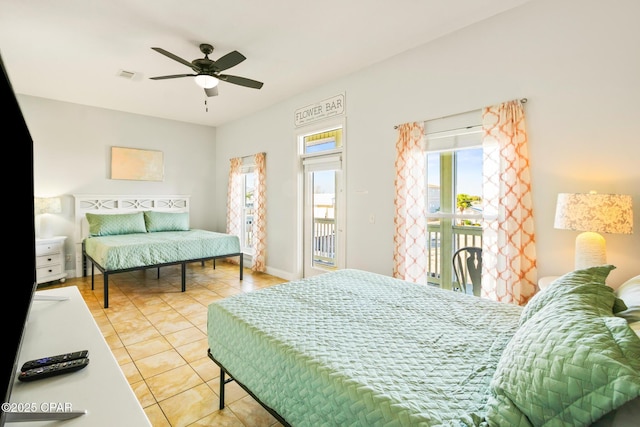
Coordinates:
<point>158,335</point>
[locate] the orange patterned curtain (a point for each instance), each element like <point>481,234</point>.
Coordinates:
<point>259,226</point>
<point>410,246</point>
<point>508,239</point>
<point>234,199</point>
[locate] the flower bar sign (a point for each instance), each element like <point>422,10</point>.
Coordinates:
<point>329,107</point>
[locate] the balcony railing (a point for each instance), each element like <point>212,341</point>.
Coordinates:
<point>324,239</point>
<point>324,230</point>
<point>463,236</point>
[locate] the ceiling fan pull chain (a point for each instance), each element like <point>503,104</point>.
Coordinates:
<point>206,108</point>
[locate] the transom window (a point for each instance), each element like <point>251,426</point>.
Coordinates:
<point>323,141</point>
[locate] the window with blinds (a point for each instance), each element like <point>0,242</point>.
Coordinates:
<point>453,149</point>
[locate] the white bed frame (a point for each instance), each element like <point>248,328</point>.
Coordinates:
<point>114,204</point>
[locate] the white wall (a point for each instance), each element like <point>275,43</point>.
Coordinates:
<point>72,155</point>
<point>577,63</point>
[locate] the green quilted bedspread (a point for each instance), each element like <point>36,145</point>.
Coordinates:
<point>117,252</point>
<point>572,362</point>
<point>352,348</point>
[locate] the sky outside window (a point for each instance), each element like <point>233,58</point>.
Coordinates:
<point>469,171</point>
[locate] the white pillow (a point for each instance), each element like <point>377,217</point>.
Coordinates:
<point>625,416</point>
<point>636,327</point>
<point>629,292</point>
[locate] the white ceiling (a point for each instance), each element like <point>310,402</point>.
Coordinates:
<point>75,50</point>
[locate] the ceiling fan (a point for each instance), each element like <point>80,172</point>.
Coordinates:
<point>207,71</point>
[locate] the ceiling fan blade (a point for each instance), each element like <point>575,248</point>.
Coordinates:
<point>174,57</point>
<point>173,76</point>
<point>211,92</point>
<point>229,60</point>
<point>242,81</point>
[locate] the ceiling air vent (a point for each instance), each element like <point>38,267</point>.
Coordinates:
<point>126,74</point>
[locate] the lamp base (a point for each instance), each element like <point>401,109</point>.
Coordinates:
<point>591,250</point>
<point>45,227</point>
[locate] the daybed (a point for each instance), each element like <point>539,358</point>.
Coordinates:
<point>127,233</point>
<point>354,348</point>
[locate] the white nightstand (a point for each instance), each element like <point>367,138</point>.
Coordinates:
<point>50,259</point>
<point>543,282</point>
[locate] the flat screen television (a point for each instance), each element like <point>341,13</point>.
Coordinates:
<point>19,286</point>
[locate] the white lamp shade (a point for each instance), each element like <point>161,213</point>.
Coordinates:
<point>44,205</point>
<point>206,81</point>
<point>602,213</point>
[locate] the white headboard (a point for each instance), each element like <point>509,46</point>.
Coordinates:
<point>110,204</point>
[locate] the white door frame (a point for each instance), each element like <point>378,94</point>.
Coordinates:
<point>304,212</point>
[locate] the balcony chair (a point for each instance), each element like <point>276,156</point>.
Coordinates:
<point>467,267</point>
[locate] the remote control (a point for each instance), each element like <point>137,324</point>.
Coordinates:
<point>52,370</point>
<point>36,363</point>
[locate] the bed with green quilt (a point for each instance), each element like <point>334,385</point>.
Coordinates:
<point>354,348</point>
<point>121,242</point>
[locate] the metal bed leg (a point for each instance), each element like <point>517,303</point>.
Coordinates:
<point>84,261</point>
<point>106,290</point>
<point>222,383</point>
<point>241,265</point>
<point>184,276</point>
<point>92,275</point>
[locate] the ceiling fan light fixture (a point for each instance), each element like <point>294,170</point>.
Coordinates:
<point>206,70</point>
<point>206,81</point>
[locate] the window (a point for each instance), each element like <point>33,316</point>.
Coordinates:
<point>246,209</point>
<point>454,191</point>
<point>248,192</point>
<point>323,141</point>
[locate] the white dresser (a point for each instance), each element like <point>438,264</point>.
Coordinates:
<point>100,392</point>
<point>50,259</point>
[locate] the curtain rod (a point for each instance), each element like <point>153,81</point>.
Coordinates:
<point>522,101</point>
<point>248,156</point>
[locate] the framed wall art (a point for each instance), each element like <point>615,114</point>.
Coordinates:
<point>136,164</point>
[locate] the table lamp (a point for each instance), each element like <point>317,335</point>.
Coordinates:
<point>593,213</point>
<point>44,206</point>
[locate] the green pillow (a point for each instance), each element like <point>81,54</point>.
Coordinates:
<point>570,363</point>
<point>166,221</point>
<point>573,283</point>
<point>110,224</point>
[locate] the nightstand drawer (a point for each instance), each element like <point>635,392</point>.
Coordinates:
<point>47,260</point>
<point>48,248</point>
<point>44,272</point>
<point>50,259</point>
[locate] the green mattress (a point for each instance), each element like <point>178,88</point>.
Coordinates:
<point>353,348</point>
<point>119,252</point>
